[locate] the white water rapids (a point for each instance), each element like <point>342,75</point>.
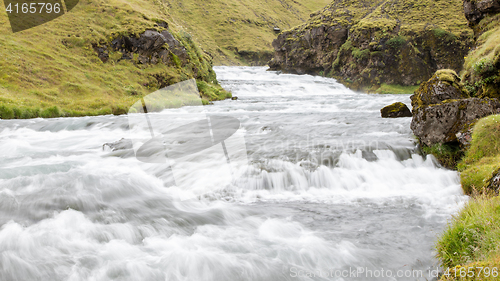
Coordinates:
<point>331,187</point>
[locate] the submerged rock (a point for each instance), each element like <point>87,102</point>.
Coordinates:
<point>122,144</point>
<point>395,110</point>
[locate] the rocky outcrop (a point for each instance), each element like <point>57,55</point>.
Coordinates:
<point>395,110</point>
<point>443,112</point>
<point>440,123</point>
<point>367,43</point>
<point>151,47</point>
<point>476,10</point>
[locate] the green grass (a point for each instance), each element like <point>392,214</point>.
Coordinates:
<point>472,238</point>
<point>481,71</point>
<point>483,156</point>
<point>395,89</point>
<point>413,16</point>
<point>447,155</point>
<point>52,70</point>
<point>224,26</point>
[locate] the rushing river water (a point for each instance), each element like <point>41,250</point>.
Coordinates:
<point>331,189</point>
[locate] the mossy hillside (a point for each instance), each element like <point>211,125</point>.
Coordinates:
<point>391,42</point>
<point>239,32</point>
<point>54,65</point>
<point>472,238</point>
<point>482,65</point>
<point>483,156</point>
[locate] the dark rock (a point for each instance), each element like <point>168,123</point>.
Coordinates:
<point>440,123</point>
<point>175,46</point>
<point>148,45</point>
<point>102,52</point>
<point>395,110</point>
<point>122,144</point>
<point>444,85</point>
<point>464,137</point>
<point>234,98</point>
<point>476,10</point>
<point>162,23</point>
<point>493,183</point>
<point>151,47</point>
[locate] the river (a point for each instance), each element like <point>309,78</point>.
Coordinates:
<point>331,192</point>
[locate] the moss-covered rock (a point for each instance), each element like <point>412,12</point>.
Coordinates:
<point>395,110</point>
<point>440,123</point>
<point>444,85</point>
<point>365,43</point>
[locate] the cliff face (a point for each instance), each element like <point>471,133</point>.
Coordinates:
<point>481,73</point>
<point>367,43</point>
<point>476,10</point>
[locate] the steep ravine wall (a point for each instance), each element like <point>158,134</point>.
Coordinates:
<point>369,43</point>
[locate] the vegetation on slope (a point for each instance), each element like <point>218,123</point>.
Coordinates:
<point>235,32</point>
<point>482,159</point>
<point>482,65</point>
<point>469,247</point>
<point>368,43</point>
<point>54,70</point>
<point>472,238</point>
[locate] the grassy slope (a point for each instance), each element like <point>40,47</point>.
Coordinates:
<point>483,157</point>
<point>472,238</point>
<point>412,15</point>
<point>482,66</point>
<point>223,25</point>
<point>55,65</point>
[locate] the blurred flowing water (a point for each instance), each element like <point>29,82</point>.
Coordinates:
<point>331,187</point>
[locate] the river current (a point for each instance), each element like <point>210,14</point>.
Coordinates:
<point>331,192</point>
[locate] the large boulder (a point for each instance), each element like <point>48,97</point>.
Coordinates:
<point>395,110</point>
<point>443,85</point>
<point>443,112</point>
<point>440,123</point>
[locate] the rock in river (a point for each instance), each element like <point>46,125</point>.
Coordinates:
<point>395,110</point>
